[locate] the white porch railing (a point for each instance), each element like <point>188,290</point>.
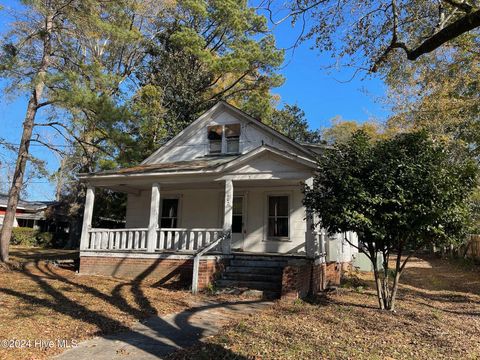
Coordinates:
<point>176,239</point>
<point>117,239</point>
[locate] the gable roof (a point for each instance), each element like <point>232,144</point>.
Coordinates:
<point>222,106</point>
<point>26,205</point>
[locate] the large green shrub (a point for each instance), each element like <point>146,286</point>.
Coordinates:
<point>23,236</point>
<point>30,237</point>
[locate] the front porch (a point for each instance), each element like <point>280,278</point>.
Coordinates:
<point>153,245</point>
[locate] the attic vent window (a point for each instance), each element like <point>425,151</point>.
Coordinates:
<point>232,134</point>
<point>215,139</point>
<point>224,139</point>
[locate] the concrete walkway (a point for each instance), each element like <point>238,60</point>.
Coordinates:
<point>159,336</point>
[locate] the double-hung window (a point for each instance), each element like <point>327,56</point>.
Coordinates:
<point>169,214</point>
<point>232,136</point>
<point>237,218</point>
<point>224,139</point>
<point>215,136</point>
<point>278,217</point>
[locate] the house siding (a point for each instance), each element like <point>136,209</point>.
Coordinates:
<point>196,143</point>
<point>203,208</point>
<point>138,210</point>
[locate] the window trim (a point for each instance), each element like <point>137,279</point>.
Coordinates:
<point>224,140</point>
<point>179,209</point>
<point>242,196</point>
<point>266,237</point>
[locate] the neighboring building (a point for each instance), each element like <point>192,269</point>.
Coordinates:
<point>44,216</point>
<point>30,214</point>
<point>221,200</point>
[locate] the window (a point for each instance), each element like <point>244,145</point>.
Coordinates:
<point>169,214</point>
<point>278,216</point>
<point>224,139</point>
<point>215,138</point>
<point>232,135</point>
<point>26,223</point>
<point>237,221</point>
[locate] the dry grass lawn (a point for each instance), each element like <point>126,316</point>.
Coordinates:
<point>47,302</point>
<point>438,317</point>
<point>23,254</point>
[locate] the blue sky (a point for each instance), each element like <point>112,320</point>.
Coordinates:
<point>320,93</point>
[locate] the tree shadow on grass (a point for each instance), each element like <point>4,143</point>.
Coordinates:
<point>323,299</point>
<point>162,337</point>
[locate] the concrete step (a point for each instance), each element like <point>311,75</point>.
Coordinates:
<point>258,263</point>
<point>252,277</point>
<point>262,257</point>
<point>257,285</point>
<point>255,269</point>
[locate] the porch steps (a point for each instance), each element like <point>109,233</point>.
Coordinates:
<point>244,276</point>
<point>254,285</point>
<point>254,272</point>
<point>248,270</point>
<point>258,263</point>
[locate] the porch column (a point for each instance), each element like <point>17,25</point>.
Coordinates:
<point>310,235</point>
<point>312,246</point>
<point>228,216</point>
<point>87,217</point>
<point>153,223</point>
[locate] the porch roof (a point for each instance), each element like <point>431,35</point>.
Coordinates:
<point>199,164</point>
<point>204,164</point>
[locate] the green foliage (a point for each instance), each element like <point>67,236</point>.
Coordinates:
<point>397,194</point>
<point>210,289</point>
<point>440,93</point>
<point>341,131</point>
<point>402,191</point>
<point>31,237</point>
<point>23,236</point>
<point>291,122</point>
<point>109,208</point>
<point>368,35</point>
<point>203,51</point>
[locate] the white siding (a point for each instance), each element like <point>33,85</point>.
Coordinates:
<point>138,210</point>
<point>200,209</point>
<point>256,237</point>
<point>197,208</point>
<point>194,142</point>
<point>203,208</point>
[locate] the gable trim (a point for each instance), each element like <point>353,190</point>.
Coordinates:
<point>268,149</point>
<point>217,107</point>
<point>177,137</point>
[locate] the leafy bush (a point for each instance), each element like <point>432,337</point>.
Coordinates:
<point>44,239</point>
<point>30,237</point>
<point>24,236</point>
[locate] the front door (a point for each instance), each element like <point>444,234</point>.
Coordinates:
<point>238,223</point>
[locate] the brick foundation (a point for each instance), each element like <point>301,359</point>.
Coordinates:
<point>208,270</point>
<point>309,277</point>
<point>300,277</point>
<point>296,280</point>
<point>318,277</point>
<point>162,271</point>
<point>333,274</point>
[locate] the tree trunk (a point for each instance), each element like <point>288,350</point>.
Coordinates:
<point>396,280</point>
<point>378,284</point>
<point>23,150</point>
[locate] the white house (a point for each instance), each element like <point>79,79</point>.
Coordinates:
<point>221,201</point>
